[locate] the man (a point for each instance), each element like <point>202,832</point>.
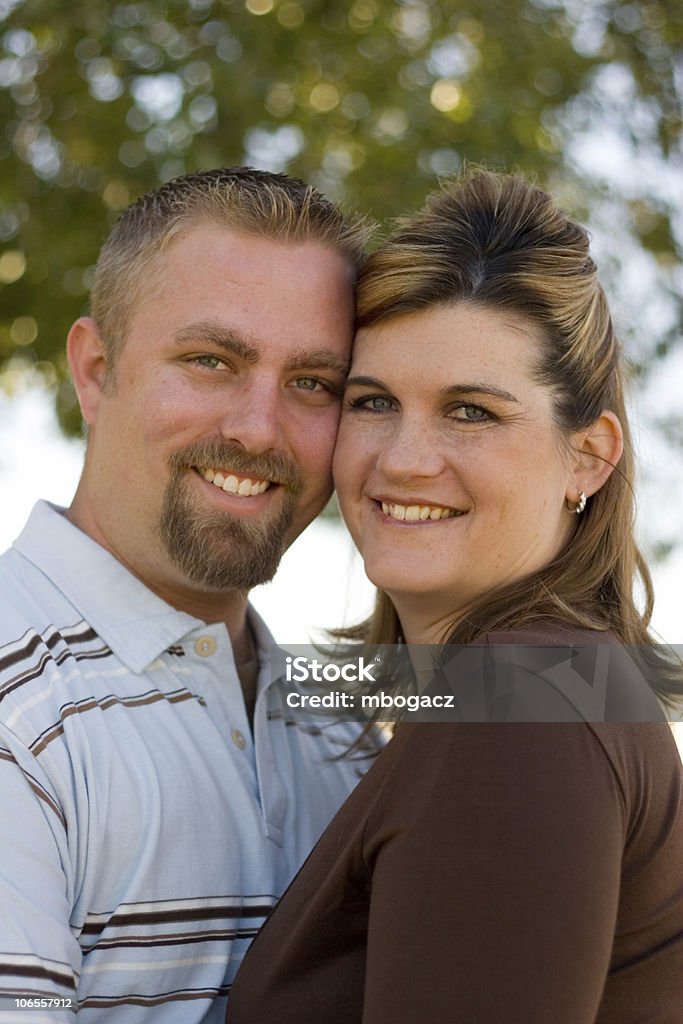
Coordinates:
<point>154,804</point>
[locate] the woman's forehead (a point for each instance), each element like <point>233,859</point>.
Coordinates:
<point>448,338</point>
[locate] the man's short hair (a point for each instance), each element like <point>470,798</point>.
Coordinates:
<point>252,201</point>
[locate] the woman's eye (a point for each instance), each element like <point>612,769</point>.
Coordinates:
<point>372,403</point>
<point>471,414</point>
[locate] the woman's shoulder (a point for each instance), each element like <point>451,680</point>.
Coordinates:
<point>601,678</point>
<point>553,632</point>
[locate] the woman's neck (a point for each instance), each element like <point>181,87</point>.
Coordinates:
<point>425,621</point>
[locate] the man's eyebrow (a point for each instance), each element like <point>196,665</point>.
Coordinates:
<point>217,334</point>
<point>236,344</point>
<point>317,359</point>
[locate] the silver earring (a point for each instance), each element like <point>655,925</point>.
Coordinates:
<point>580,505</point>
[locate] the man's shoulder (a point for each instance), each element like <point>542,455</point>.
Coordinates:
<point>42,636</point>
<point>28,598</point>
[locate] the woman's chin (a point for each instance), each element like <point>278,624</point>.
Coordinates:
<point>398,581</point>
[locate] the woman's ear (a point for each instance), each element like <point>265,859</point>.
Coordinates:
<point>598,449</point>
<point>87,358</point>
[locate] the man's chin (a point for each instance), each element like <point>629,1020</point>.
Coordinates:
<point>237,568</point>
<point>219,551</point>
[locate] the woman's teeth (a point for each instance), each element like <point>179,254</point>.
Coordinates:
<point>413,513</point>
<point>234,485</point>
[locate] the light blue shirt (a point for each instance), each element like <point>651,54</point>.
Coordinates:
<point>145,832</point>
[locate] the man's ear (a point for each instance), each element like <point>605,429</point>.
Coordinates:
<point>598,449</point>
<point>87,357</point>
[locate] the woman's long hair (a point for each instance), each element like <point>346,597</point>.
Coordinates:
<point>498,242</point>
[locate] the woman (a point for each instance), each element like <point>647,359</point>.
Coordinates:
<point>529,873</point>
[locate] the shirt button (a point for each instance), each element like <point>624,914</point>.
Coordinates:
<point>238,739</point>
<point>205,646</point>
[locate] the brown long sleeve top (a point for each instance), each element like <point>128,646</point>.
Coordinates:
<point>488,873</point>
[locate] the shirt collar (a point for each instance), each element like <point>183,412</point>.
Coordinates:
<point>271,657</point>
<point>136,624</point>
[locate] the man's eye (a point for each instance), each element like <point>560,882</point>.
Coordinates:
<point>315,390</point>
<point>318,385</point>
<point>211,362</point>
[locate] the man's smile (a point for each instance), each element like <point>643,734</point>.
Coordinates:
<point>243,486</point>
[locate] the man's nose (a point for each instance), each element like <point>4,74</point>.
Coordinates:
<point>255,418</point>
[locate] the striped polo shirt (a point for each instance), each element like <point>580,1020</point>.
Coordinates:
<point>145,832</point>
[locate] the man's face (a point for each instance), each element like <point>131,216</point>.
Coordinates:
<point>211,443</point>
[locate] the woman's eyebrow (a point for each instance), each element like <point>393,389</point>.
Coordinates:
<point>453,389</point>
<point>480,389</point>
<point>366,382</point>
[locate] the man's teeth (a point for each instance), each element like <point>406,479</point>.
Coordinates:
<point>233,485</point>
<point>413,513</point>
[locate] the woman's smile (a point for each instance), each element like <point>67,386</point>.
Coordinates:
<point>414,510</point>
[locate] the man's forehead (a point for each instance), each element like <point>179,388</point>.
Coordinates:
<point>201,236</point>
<point>310,275</point>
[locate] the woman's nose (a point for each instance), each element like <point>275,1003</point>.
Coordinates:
<point>411,451</point>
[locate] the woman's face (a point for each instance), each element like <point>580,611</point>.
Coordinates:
<point>451,473</point>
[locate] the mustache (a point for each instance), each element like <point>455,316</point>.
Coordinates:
<point>265,465</point>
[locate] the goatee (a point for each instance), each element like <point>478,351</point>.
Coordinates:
<point>219,550</point>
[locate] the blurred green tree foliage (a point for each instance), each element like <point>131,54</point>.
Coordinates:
<point>371,100</point>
